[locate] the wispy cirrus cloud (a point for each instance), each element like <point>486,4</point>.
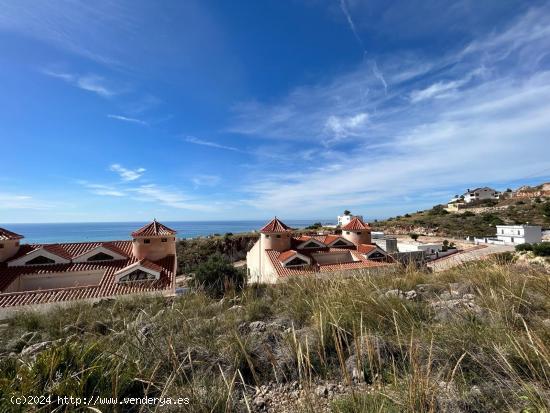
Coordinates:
<point>102,189</point>
<point>10,200</point>
<point>197,141</point>
<point>169,197</point>
<point>497,93</point>
<point>127,174</point>
<point>127,119</point>
<point>205,180</point>
<point>90,82</point>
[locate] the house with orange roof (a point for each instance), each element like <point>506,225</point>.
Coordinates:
<point>34,274</point>
<point>280,252</point>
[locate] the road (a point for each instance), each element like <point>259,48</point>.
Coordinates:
<point>474,253</point>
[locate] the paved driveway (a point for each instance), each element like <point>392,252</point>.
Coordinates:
<point>474,253</point>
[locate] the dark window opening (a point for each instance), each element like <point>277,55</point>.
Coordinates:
<point>164,240</point>
<point>311,245</point>
<point>40,260</point>
<point>146,241</point>
<point>1,245</point>
<point>101,256</point>
<point>278,236</point>
<point>296,262</point>
<point>339,243</point>
<point>137,275</point>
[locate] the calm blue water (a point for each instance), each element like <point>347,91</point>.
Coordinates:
<point>105,231</point>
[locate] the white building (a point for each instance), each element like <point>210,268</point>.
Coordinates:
<point>519,234</point>
<point>346,219</point>
<point>480,194</point>
<point>514,235</point>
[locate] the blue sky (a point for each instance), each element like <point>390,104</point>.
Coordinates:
<point>199,110</point>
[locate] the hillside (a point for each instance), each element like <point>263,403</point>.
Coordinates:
<point>518,207</point>
<point>471,339</point>
<point>193,252</point>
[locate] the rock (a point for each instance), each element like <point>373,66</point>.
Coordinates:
<point>259,402</point>
<point>4,326</point>
<point>447,310</point>
<point>450,295</point>
<point>257,326</point>
<point>146,330</point>
<point>35,348</point>
<point>411,295</point>
<point>352,369</point>
<point>394,293</point>
<point>236,309</point>
<point>322,391</point>
<point>468,297</point>
<point>546,322</point>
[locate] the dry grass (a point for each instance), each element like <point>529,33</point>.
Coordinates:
<point>494,359</point>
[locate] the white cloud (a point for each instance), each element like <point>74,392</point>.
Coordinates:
<point>90,83</point>
<point>18,201</point>
<point>197,141</point>
<point>127,119</point>
<point>127,174</point>
<point>343,126</point>
<point>492,127</point>
<point>206,180</point>
<point>169,197</point>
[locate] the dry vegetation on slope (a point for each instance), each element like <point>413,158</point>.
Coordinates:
<point>472,339</point>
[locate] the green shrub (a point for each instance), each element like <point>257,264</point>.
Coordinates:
<point>542,249</point>
<point>217,275</point>
<point>524,247</point>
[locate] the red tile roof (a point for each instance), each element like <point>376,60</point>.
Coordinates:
<point>276,258</point>
<point>355,224</point>
<point>107,287</point>
<point>283,256</point>
<point>152,229</point>
<point>366,248</point>
<point>275,225</point>
<point>6,235</point>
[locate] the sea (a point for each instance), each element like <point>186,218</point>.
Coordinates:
<point>107,231</point>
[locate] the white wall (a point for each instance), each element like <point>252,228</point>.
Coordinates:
<point>30,282</point>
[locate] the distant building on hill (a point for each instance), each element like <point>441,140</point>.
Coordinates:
<point>48,273</point>
<point>480,194</point>
<point>347,218</point>
<point>280,253</point>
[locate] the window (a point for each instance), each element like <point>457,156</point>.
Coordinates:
<point>40,260</point>
<point>164,240</point>
<point>146,241</point>
<point>347,232</point>
<point>311,245</point>
<point>267,235</point>
<point>16,243</point>
<point>101,256</point>
<point>1,245</point>
<point>296,262</point>
<point>137,275</point>
<point>518,232</point>
<point>358,233</point>
<point>339,243</point>
<point>278,236</point>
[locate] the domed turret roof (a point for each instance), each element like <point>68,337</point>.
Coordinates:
<point>355,224</point>
<point>152,229</point>
<point>275,225</point>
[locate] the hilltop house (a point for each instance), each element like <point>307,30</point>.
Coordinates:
<point>480,194</point>
<point>279,253</point>
<point>347,218</point>
<point>514,235</point>
<point>47,273</point>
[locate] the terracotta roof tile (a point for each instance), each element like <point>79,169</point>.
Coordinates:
<point>355,224</point>
<point>275,225</point>
<point>154,228</point>
<point>366,248</point>
<point>6,235</point>
<point>283,256</point>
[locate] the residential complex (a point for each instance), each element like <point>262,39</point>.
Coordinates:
<point>46,273</point>
<point>280,252</point>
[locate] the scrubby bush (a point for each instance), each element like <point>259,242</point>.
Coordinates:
<point>524,247</point>
<point>542,249</point>
<point>217,275</point>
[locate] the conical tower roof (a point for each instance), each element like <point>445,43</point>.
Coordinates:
<point>152,229</point>
<point>275,225</point>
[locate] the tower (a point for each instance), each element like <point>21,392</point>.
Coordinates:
<point>276,235</point>
<point>9,244</point>
<point>357,232</point>
<point>154,241</point>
